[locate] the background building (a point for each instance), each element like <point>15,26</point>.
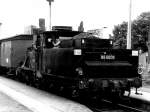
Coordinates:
<point>29,29</point>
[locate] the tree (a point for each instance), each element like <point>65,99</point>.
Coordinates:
<point>81,28</point>
<point>140,29</point>
<point>119,35</point>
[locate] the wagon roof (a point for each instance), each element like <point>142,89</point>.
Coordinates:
<point>18,37</point>
<point>63,33</point>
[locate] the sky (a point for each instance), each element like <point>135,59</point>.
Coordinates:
<point>15,15</point>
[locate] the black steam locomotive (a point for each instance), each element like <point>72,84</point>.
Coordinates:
<point>79,63</point>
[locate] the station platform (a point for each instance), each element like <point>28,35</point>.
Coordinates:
<point>144,94</point>
<point>37,100</point>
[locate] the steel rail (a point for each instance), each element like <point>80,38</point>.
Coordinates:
<point>133,109</point>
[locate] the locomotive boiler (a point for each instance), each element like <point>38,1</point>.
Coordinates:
<point>80,63</point>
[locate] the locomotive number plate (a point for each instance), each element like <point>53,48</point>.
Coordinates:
<point>107,57</point>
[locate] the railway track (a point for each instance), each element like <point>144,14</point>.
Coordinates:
<point>110,106</point>
<point>105,105</point>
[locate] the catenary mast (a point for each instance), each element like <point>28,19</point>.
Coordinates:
<point>50,11</point>
<point>129,27</point>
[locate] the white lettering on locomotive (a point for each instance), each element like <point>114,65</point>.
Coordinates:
<point>109,57</point>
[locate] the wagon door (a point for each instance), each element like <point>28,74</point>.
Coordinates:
<point>6,54</point>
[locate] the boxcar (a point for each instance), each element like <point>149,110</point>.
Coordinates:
<point>13,49</point>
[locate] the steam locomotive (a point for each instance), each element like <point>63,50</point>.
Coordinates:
<point>77,62</point>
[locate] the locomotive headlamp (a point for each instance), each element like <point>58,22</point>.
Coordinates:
<point>135,53</point>
<point>111,42</point>
<point>140,69</point>
<point>77,52</point>
<point>83,41</point>
<point>79,71</point>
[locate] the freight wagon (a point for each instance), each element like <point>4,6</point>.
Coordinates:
<point>12,51</point>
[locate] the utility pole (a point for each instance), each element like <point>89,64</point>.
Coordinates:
<point>50,12</point>
<point>148,45</point>
<point>129,27</point>
<point>0,25</point>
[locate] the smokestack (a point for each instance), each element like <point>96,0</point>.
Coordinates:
<point>42,24</point>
